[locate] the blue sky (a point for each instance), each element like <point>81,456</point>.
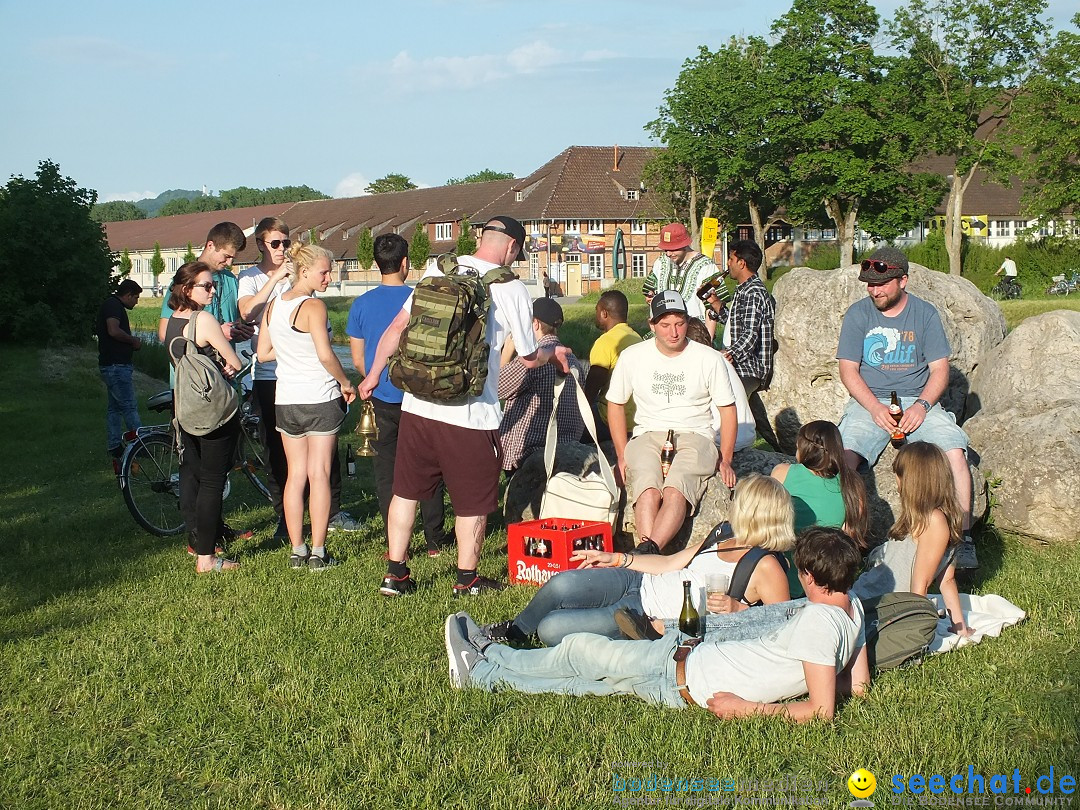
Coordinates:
<point>132,97</point>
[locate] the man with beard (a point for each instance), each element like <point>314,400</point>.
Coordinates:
<point>894,341</point>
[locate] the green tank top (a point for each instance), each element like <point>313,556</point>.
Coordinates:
<point>817,502</point>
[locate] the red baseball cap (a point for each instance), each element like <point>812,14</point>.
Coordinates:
<point>674,237</point>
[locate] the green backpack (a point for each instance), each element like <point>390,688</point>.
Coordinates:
<point>899,629</point>
<point>443,353</point>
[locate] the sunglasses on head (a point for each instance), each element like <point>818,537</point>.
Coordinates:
<point>877,265</point>
<point>276,243</point>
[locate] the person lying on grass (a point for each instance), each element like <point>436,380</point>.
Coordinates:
<point>820,653</point>
<point>589,598</point>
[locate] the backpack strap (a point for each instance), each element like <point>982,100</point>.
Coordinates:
<point>586,415</point>
<point>744,569</point>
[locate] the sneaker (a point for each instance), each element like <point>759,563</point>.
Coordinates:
<point>298,561</point>
<point>966,559</point>
<point>116,452</point>
<point>502,632</point>
<point>474,632</point>
<point>461,655</point>
<point>392,586</point>
<point>317,563</point>
<point>228,533</point>
<point>635,625</point>
<point>343,522</point>
<point>647,546</point>
<point>477,585</point>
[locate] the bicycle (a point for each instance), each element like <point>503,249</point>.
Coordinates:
<point>1008,288</point>
<point>1063,285</point>
<point>150,468</point>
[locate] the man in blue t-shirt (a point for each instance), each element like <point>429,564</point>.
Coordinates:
<point>893,341</point>
<point>369,317</point>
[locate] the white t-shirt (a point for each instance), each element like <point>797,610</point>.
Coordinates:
<point>510,314</point>
<point>1010,268</point>
<point>671,392</point>
<point>770,668</point>
<point>746,430</point>
<point>302,378</point>
<point>662,594</point>
<point>251,281</point>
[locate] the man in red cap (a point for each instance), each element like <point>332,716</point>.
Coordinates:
<point>683,270</point>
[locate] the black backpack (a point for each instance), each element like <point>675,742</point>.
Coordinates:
<point>899,629</point>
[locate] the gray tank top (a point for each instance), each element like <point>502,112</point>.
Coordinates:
<point>889,568</point>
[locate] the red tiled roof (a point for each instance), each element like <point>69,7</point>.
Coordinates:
<point>177,231</point>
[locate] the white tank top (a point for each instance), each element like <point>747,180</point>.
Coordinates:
<point>662,594</point>
<point>301,378</point>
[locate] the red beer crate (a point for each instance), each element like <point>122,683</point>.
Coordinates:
<point>539,549</point>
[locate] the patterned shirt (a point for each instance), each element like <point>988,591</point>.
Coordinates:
<point>529,394</point>
<point>749,332</point>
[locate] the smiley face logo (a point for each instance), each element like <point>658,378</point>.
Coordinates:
<point>862,783</point>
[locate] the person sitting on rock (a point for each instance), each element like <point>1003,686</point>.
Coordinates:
<point>746,431</point>
<point>820,652</point>
<point>673,383</point>
<point>893,341</point>
<point>590,598</point>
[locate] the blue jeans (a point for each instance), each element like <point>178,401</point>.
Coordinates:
<point>746,624</point>
<point>122,406</point>
<point>586,664</point>
<point>580,601</point>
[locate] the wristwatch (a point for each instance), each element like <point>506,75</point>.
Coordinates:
<point>926,405</point>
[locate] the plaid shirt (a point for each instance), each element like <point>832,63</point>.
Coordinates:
<point>750,320</point>
<point>529,394</point>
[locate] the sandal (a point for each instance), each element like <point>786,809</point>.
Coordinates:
<point>220,564</point>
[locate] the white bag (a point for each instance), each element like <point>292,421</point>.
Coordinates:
<point>589,497</point>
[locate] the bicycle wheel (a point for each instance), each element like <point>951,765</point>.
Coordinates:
<point>150,481</point>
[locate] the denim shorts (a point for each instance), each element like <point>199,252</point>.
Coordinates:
<point>318,419</point>
<point>861,434</point>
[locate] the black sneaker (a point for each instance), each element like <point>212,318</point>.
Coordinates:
<point>647,547</point>
<point>477,585</point>
<point>502,632</point>
<point>298,561</point>
<point>317,563</point>
<point>392,586</point>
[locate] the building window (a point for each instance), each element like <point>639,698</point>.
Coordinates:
<point>519,196</point>
<point>596,226</point>
<point>573,226</point>
<point>637,265</point>
<point>351,264</point>
<point>638,226</point>
<point>532,226</point>
<point>596,265</point>
<point>1001,227</point>
<point>444,231</point>
<point>631,194</point>
<point>534,265</point>
<point>1019,226</point>
<point>174,264</point>
<point>572,258</point>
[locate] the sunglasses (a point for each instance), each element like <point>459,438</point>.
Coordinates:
<point>206,285</point>
<point>276,243</point>
<point>877,265</point>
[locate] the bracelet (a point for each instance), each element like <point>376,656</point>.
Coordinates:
<point>627,560</point>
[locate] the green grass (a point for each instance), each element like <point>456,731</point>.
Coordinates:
<point>1017,311</point>
<point>129,682</point>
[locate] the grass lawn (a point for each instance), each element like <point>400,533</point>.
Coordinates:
<point>129,682</point>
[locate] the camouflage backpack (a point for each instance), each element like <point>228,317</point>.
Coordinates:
<point>443,354</point>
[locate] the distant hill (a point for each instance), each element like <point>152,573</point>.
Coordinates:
<point>151,207</point>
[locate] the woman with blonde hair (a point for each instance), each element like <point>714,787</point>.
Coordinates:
<point>588,598</point>
<point>311,398</point>
<point>922,543</point>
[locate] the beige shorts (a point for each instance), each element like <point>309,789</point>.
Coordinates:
<point>693,466</point>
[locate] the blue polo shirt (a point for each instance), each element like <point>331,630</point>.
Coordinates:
<point>369,317</point>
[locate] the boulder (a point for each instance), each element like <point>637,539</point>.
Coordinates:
<point>1023,424</point>
<point>810,307</point>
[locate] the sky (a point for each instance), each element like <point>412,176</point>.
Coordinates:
<point>133,97</point>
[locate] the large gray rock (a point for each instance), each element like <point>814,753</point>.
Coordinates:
<point>810,307</point>
<point>1024,425</point>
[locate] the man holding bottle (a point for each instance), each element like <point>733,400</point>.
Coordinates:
<point>683,270</point>
<point>893,341</point>
<point>674,383</point>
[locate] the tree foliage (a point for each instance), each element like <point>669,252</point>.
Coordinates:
<point>157,263</point>
<point>59,297</point>
<point>466,242</point>
<point>365,248</point>
<point>967,62</point>
<point>240,197</point>
<point>1047,128</point>
<point>197,205</point>
<point>189,254</point>
<point>125,264</point>
<point>116,211</point>
<point>482,176</point>
<point>419,247</point>
<point>391,182</point>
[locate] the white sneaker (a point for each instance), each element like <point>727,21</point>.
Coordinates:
<point>966,559</point>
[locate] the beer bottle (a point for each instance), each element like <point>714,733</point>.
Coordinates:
<point>667,453</point>
<point>689,618</point>
<point>350,461</point>
<point>709,285</point>
<point>898,437</point>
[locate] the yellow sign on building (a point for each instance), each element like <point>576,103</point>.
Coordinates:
<point>976,225</point>
<point>710,227</point>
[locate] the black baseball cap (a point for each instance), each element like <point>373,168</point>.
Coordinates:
<point>548,311</point>
<point>665,302</point>
<point>512,228</point>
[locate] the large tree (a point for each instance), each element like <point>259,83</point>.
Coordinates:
<point>482,176</point>
<point>58,298</point>
<point>116,211</point>
<point>419,247</point>
<point>466,242</point>
<point>966,63</point>
<point>391,182</point>
<point>841,117</point>
<point>365,248</point>
<point>1047,127</point>
<point>157,263</point>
